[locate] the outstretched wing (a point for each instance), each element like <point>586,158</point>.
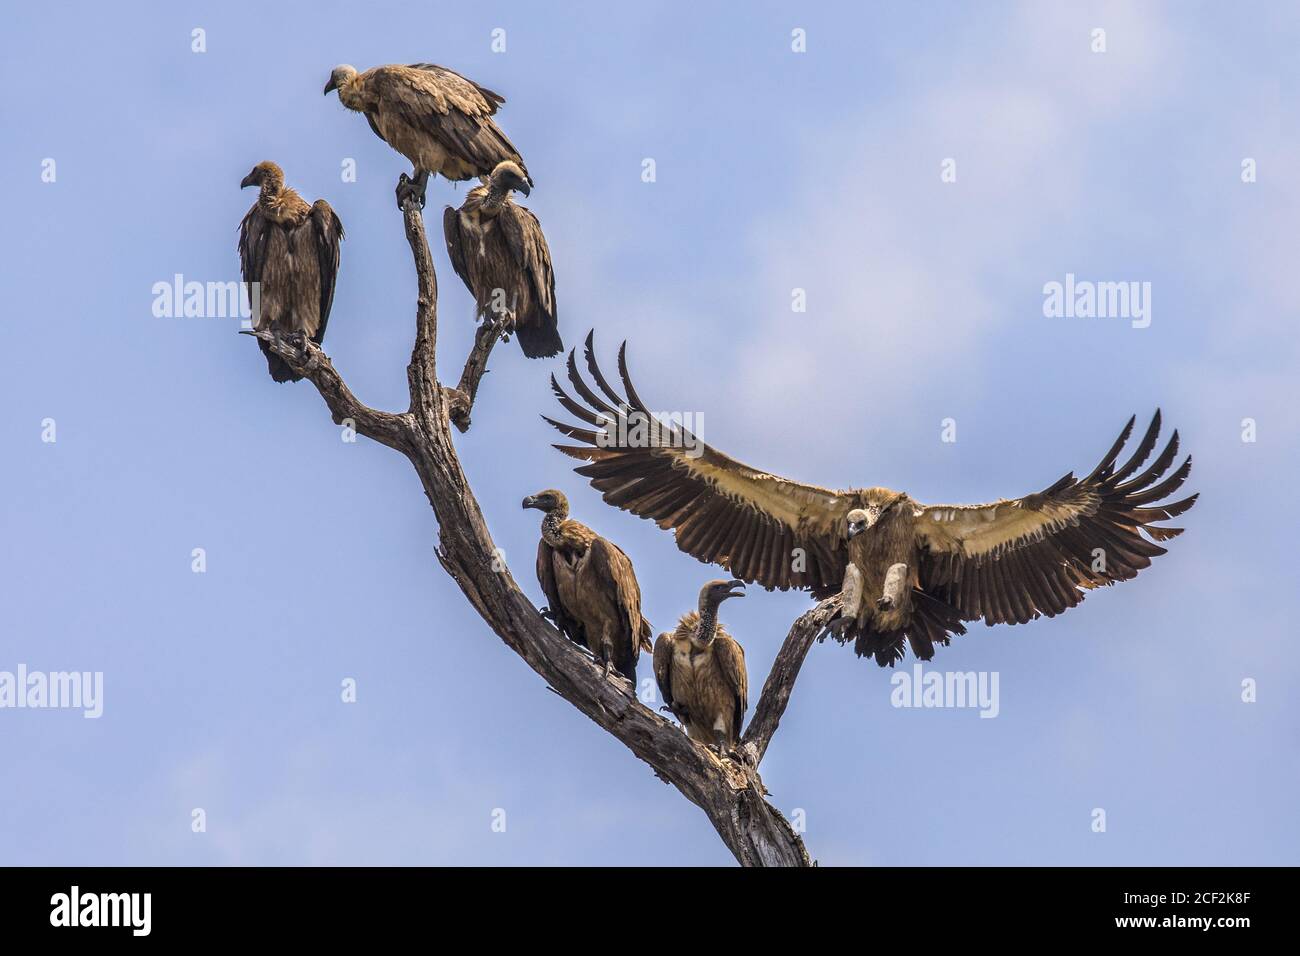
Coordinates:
<point>327,232</point>
<point>1010,561</point>
<point>760,527</point>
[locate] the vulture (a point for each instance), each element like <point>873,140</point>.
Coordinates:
<point>700,670</point>
<point>291,250</point>
<point>591,588</point>
<point>498,250</point>
<point>909,572</point>
<point>433,116</point>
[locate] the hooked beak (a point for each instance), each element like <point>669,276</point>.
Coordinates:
<point>249,180</point>
<point>530,501</point>
<point>732,589</point>
<point>330,86</point>
<point>856,529</point>
<point>524,188</point>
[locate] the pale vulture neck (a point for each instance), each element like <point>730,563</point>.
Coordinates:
<point>350,97</point>
<point>272,186</point>
<point>708,626</point>
<point>551,527</point>
<point>496,196</point>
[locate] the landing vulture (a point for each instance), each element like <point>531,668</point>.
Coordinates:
<point>291,250</point>
<point>591,588</point>
<point>499,252</point>
<point>701,672</point>
<point>909,571</point>
<point>433,116</point>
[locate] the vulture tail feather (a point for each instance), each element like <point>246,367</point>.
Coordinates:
<point>539,340</point>
<point>279,368</point>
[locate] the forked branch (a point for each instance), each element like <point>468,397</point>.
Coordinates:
<point>729,791</point>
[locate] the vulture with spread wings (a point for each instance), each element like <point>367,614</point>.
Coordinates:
<point>909,572</point>
<point>433,116</point>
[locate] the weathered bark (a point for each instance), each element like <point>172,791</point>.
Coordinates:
<point>780,681</point>
<point>730,792</point>
<point>462,399</point>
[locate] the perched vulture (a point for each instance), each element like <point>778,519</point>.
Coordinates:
<point>433,116</point>
<point>701,673</point>
<point>908,571</point>
<point>291,250</point>
<point>499,252</point>
<point>591,588</point>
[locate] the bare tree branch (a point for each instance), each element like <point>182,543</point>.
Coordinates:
<point>307,359</point>
<point>785,670</point>
<point>730,792</point>
<point>462,402</point>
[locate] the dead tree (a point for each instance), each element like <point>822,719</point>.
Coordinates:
<point>729,791</point>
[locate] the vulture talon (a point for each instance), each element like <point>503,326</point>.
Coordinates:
<point>839,626</point>
<point>408,188</point>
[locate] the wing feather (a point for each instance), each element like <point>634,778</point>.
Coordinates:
<point>456,246</point>
<point>730,657</point>
<point>663,667</point>
<point>1012,560</point>
<point>722,511</point>
<point>327,232</point>
<point>610,566</point>
<point>441,103</point>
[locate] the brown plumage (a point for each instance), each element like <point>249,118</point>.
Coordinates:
<point>433,116</point>
<point>498,250</point>
<point>291,250</point>
<point>1008,561</point>
<point>590,587</point>
<point>701,672</point>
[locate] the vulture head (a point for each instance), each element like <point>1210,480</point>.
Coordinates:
<point>715,592</point>
<point>507,176</point>
<point>880,501</point>
<point>549,500</point>
<point>340,77</point>
<point>264,172</point>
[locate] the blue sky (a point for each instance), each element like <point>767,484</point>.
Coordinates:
<point>775,170</point>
